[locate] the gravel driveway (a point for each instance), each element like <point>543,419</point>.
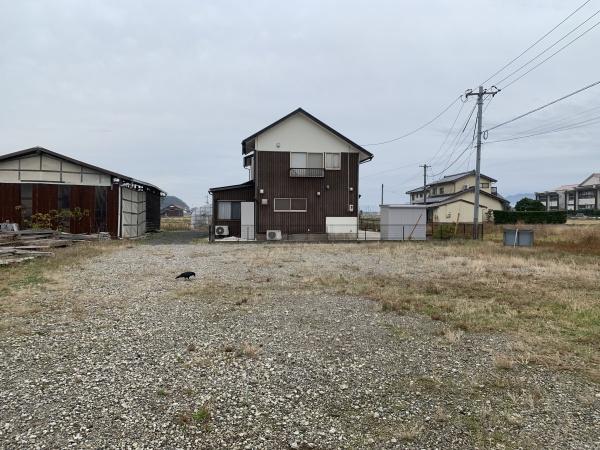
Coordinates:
<point>122,355</point>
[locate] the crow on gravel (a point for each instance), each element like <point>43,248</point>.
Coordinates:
<point>186,275</point>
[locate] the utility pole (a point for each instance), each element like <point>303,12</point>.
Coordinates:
<point>381,194</point>
<point>425,167</point>
<point>480,94</point>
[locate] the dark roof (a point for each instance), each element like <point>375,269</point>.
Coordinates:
<point>172,200</point>
<point>40,150</point>
<point>247,184</point>
<point>450,179</point>
<point>449,198</point>
<point>317,121</point>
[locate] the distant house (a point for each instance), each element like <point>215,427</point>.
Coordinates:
<point>452,198</point>
<point>573,197</point>
<point>172,211</point>
<point>38,180</point>
<point>303,180</point>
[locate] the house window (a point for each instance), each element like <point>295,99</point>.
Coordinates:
<point>289,205</point>
<point>485,185</point>
<point>434,191</point>
<point>586,194</point>
<point>229,210</point>
<point>571,196</point>
<point>306,160</point>
<point>333,161</point>
<point>441,190</point>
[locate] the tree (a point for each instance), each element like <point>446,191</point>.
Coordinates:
<point>528,204</point>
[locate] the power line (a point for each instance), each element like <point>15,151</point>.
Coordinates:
<point>548,48</point>
<point>460,155</point>
<point>552,55</point>
<point>419,128</point>
<point>559,121</point>
<point>582,124</point>
<point>389,170</point>
<point>448,134</point>
<point>534,44</point>
<point>543,106</point>
<point>457,141</point>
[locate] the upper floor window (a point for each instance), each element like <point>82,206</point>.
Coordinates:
<point>586,194</point>
<point>485,185</point>
<point>441,190</point>
<point>306,160</point>
<point>333,161</point>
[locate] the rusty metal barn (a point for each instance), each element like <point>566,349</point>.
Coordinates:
<point>38,180</point>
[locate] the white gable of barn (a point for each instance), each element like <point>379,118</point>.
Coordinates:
<point>44,168</point>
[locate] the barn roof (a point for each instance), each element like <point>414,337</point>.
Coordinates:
<point>41,150</point>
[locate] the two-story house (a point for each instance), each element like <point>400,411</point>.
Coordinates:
<point>573,197</point>
<point>303,180</point>
<point>451,198</point>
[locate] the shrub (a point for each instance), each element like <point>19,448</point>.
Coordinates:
<point>530,217</point>
<point>529,204</point>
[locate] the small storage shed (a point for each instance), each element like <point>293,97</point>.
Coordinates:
<point>38,180</point>
<point>403,222</point>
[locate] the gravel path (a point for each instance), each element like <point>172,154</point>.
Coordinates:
<point>122,355</point>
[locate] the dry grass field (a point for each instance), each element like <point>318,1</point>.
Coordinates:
<point>452,344</point>
<point>175,223</point>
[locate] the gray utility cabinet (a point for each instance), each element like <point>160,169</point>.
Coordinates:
<point>403,222</point>
<point>518,237</point>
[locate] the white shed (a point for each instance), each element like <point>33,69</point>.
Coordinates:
<point>403,222</point>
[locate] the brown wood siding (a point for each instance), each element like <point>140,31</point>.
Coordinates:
<point>241,195</point>
<point>272,175</point>
<point>10,198</point>
<point>112,210</point>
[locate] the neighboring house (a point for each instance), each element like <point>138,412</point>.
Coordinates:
<point>172,200</point>
<point>303,180</point>
<point>452,198</point>
<point>37,180</point>
<point>573,197</point>
<point>172,211</point>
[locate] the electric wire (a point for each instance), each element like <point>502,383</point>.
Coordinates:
<point>460,155</point>
<point>534,44</point>
<point>552,55</point>
<point>543,106</point>
<point>447,134</point>
<point>420,127</point>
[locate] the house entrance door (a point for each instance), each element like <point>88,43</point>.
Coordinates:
<point>247,220</point>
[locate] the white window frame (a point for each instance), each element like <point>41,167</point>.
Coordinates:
<point>219,202</point>
<point>306,160</point>
<point>325,160</point>
<point>290,200</point>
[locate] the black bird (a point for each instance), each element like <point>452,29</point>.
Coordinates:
<point>186,275</point>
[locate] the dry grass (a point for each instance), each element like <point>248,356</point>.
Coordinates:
<point>176,223</point>
<point>503,362</point>
<point>19,283</point>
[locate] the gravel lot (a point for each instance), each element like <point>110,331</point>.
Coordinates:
<point>119,354</point>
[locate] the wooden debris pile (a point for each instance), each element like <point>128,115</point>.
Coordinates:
<point>24,245</point>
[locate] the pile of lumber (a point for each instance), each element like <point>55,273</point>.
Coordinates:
<point>25,245</point>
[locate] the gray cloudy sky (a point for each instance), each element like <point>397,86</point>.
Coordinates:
<point>166,90</point>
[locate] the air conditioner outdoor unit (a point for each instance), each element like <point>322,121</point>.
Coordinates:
<point>273,235</point>
<point>221,230</point>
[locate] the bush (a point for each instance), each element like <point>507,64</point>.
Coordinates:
<point>587,212</point>
<point>528,204</point>
<point>531,217</point>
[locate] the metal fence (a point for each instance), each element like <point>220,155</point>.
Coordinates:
<point>368,231</point>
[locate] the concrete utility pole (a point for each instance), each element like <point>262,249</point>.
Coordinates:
<point>480,93</point>
<point>381,194</point>
<point>425,166</point>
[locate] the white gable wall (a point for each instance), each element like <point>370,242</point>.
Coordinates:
<point>43,168</point>
<point>298,133</point>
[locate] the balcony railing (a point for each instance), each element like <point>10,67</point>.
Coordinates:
<point>308,173</point>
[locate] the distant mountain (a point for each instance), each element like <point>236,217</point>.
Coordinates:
<point>514,198</point>
<point>172,200</point>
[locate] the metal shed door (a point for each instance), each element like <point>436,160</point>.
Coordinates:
<point>247,220</point>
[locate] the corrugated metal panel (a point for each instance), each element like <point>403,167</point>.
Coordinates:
<point>45,198</point>
<point>10,198</point>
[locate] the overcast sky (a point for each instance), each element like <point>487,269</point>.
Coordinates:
<point>166,90</point>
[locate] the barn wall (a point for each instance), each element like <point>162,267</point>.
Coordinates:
<point>10,198</point>
<point>152,211</point>
<point>133,212</point>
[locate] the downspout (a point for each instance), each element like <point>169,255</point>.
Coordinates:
<point>120,224</point>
